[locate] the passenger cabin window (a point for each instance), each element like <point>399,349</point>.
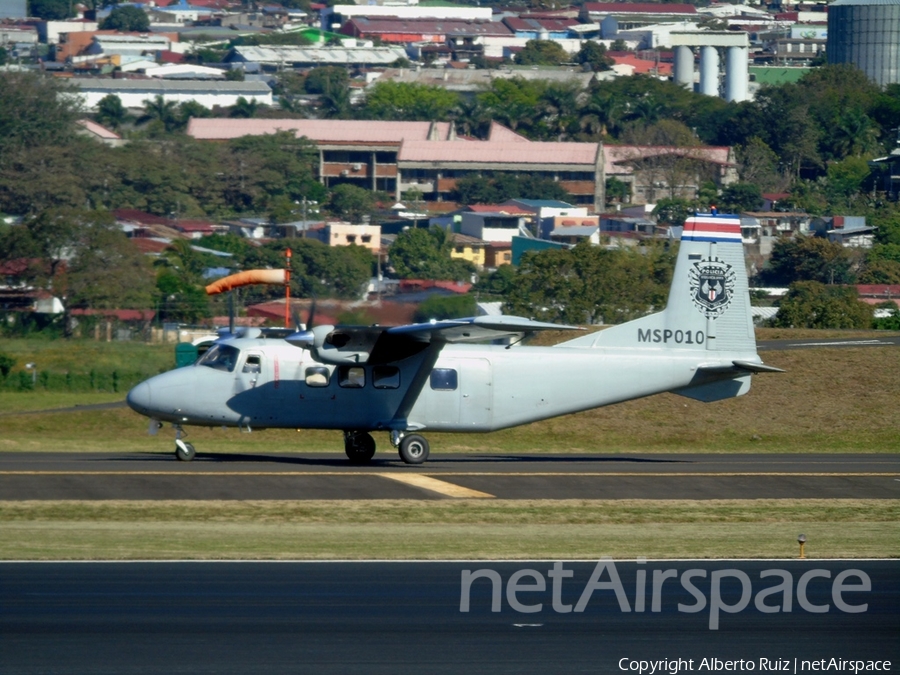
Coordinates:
<point>220,357</point>
<point>252,364</point>
<point>352,377</point>
<point>386,377</point>
<point>317,377</point>
<point>444,379</point>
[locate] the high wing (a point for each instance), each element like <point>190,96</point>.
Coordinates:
<point>385,344</point>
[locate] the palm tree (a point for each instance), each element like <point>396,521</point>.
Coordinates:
<point>854,134</point>
<point>243,108</point>
<point>160,110</point>
<point>334,101</point>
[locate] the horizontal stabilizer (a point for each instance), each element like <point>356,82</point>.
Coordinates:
<point>739,366</point>
<point>754,367</point>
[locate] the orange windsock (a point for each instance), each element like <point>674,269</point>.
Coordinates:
<point>245,279</point>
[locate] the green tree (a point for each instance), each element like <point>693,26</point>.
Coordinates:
<point>809,304</point>
<point>496,284</point>
<point>740,198</point>
<point>107,270</point>
<point>513,101</point>
<point>317,270</point>
<point>491,188</point>
<point>334,102</point>
<point>34,112</point>
<point>243,108</point>
<point>419,253</point>
<point>127,18</point>
<point>50,10</point>
<point>440,307</point>
<point>542,53</point>
<point>111,113</point>
<point>179,300</point>
<point>408,101</point>
<point>594,54</point>
<point>673,211</point>
<point>590,284</point>
<point>326,78</point>
<point>808,259</point>
<point>162,114</point>
<point>47,240</point>
<point>7,363</point>
<point>758,165</point>
<point>351,202</point>
<point>844,180</point>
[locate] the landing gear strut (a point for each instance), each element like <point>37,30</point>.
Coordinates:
<point>183,451</point>
<point>359,446</point>
<point>413,449</point>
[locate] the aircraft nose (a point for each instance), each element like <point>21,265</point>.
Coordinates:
<point>138,398</point>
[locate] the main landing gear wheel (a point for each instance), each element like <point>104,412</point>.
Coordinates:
<point>359,446</point>
<point>413,449</point>
<point>184,451</point>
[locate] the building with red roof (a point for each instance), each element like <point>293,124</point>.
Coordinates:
<point>428,157</point>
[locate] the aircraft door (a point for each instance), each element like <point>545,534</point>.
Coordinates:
<point>476,393</point>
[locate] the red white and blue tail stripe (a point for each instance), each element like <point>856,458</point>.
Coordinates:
<point>725,228</point>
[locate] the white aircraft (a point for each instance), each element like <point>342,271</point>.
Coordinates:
<point>405,380</point>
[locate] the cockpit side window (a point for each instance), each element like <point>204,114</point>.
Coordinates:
<point>220,357</point>
<point>253,364</point>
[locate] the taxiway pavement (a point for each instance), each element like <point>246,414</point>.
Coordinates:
<point>150,476</point>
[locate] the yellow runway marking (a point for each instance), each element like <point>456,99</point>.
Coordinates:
<point>401,476</point>
<point>435,485</point>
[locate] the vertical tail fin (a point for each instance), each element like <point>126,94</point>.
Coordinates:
<point>709,300</point>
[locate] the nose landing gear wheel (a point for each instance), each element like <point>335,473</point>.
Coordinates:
<point>414,449</point>
<point>184,451</point>
<point>359,446</point>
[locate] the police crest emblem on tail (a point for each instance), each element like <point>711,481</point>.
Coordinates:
<point>712,286</point>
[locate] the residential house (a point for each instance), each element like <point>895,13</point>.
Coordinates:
<point>495,223</point>
<point>347,234</point>
<point>469,248</point>
<point>849,231</point>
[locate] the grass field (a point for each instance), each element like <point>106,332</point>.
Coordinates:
<point>458,529</point>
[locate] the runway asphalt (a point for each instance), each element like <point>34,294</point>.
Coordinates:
<point>330,476</point>
<point>407,617</point>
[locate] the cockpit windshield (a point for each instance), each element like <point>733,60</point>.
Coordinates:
<point>220,357</point>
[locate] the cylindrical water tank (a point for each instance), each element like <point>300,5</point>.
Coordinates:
<point>737,74</point>
<point>709,71</point>
<point>866,33</point>
<point>684,67</point>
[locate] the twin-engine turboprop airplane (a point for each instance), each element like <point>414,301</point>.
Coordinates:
<point>405,380</point>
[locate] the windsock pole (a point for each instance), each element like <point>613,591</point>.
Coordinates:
<point>287,289</point>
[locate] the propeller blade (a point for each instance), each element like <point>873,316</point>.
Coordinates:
<point>295,314</point>
<point>312,315</point>
<point>231,312</point>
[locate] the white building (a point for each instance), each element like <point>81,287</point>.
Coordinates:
<point>207,93</point>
